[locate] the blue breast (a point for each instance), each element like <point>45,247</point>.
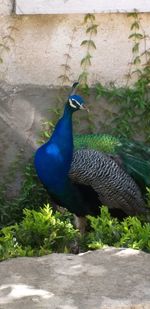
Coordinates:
<point>53,159</point>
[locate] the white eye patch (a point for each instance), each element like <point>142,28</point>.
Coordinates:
<point>71,104</point>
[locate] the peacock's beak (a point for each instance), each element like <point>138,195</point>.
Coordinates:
<point>83,106</point>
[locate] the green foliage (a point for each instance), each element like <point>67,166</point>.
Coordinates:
<point>133,104</point>
<point>43,232</point>
<point>40,232</point>
<point>108,231</point>
<point>32,195</point>
<point>89,45</point>
<point>65,76</point>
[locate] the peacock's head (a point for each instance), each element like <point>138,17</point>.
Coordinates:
<point>75,101</point>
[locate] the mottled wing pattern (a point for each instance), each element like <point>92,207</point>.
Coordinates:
<point>114,186</point>
<point>134,155</point>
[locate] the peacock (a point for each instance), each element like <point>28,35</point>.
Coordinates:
<point>87,171</point>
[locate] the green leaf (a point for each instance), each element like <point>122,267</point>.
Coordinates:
<point>132,14</point>
<point>137,60</point>
<point>135,25</point>
<point>1,60</point>
<point>92,44</point>
<point>135,48</point>
<point>83,61</point>
<point>89,17</point>
<point>84,43</point>
<point>92,29</point>
<point>86,60</point>
<point>136,36</point>
<point>89,43</point>
<point>83,77</point>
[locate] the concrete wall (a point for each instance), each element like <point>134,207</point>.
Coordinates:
<point>40,42</point>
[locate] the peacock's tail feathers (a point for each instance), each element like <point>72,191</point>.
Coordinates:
<point>104,143</point>
<point>136,159</point>
<point>134,156</point>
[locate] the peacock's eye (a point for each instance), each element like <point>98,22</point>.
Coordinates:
<point>71,103</point>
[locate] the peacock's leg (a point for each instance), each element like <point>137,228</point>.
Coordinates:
<point>80,223</point>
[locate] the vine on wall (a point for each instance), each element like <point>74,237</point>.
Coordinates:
<point>6,41</point>
<point>133,117</point>
<point>89,45</point>
<point>140,63</point>
<point>65,76</point>
<point>133,103</point>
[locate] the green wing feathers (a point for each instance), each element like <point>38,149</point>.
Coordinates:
<point>136,159</point>
<point>135,156</point>
<point>104,143</point>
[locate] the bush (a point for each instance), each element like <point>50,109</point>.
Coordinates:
<point>40,232</point>
<point>107,231</point>
<point>32,195</point>
<point>43,232</point>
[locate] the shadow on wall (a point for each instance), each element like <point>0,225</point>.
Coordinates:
<point>22,111</point>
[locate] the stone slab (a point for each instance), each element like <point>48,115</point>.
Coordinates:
<point>80,6</point>
<point>104,279</point>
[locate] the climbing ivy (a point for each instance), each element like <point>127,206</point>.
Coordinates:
<point>140,63</point>
<point>129,115</point>
<point>65,76</point>
<point>6,40</point>
<point>89,45</point>
<point>130,104</point>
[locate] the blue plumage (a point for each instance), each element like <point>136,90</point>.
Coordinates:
<point>53,160</point>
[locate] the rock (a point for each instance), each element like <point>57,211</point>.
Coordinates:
<point>110,278</point>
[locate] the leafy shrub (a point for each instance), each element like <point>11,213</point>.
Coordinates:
<point>32,195</point>
<point>40,232</point>
<point>107,231</point>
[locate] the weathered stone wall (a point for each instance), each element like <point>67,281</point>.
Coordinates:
<point>40,42</point>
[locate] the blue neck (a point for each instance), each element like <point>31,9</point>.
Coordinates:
<point>53,159</point>
<point>63,130</point>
